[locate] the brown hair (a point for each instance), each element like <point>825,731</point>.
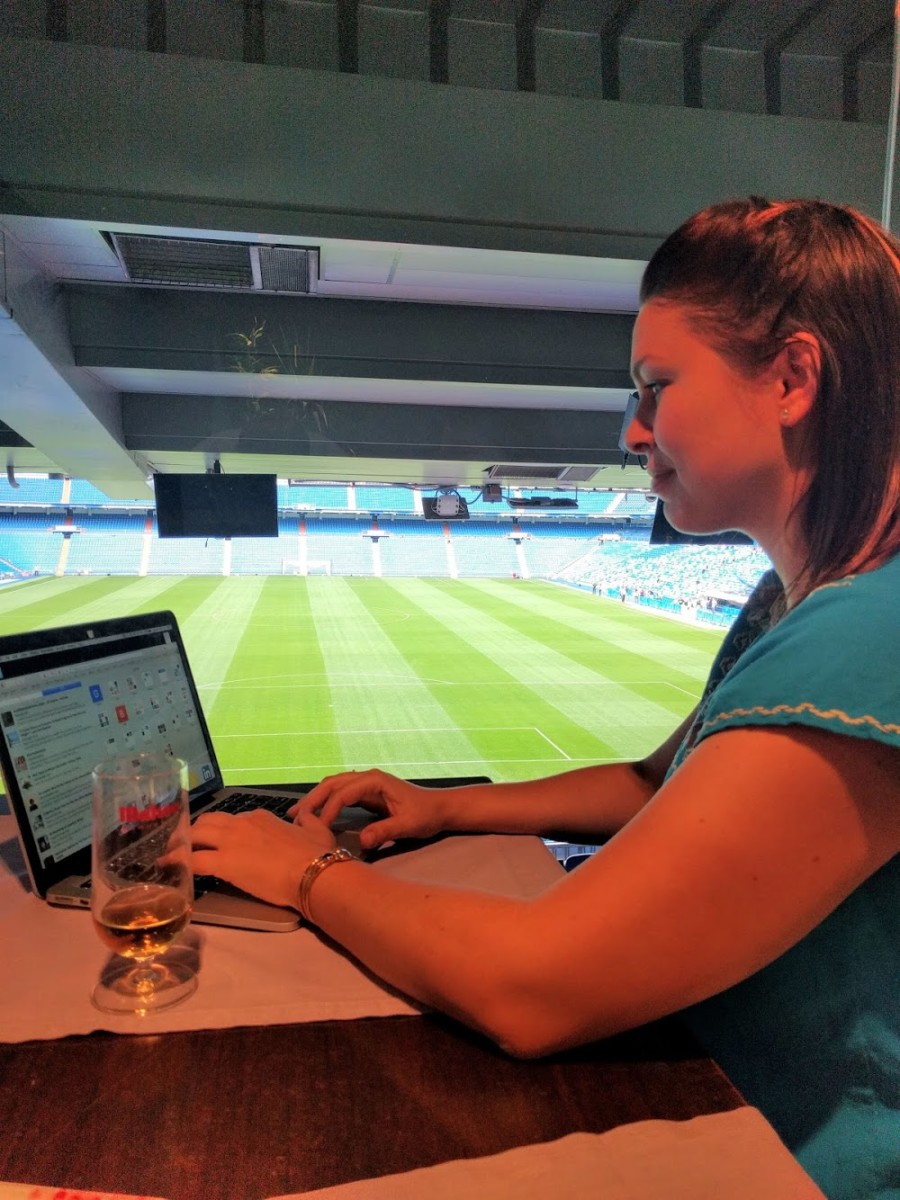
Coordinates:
<point>753,273</point>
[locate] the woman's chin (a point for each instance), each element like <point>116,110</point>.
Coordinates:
<point>688,523</point>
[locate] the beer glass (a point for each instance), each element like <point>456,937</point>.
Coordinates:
<point>142,885</point>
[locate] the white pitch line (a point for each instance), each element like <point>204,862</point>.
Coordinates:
<point>681,689</point>
<point>541,733</point>
<point>386,732</point>
<point>429,766</point>
<point>355,679</point>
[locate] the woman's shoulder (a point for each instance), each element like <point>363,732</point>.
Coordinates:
<point>871,585</point>
<point>842,605</point>
<point>833,661</point>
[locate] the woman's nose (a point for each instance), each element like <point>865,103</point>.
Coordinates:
<point>639,430</point>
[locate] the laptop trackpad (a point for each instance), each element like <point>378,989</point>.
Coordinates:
<point>227,906</point>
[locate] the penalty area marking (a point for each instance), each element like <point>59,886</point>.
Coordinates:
<point>395,729</point>
<point>331,679</point>
<point>684,691</point>
<point>425,767</point>
<point>383,733</point>
<point>356,679</point>
<point>559,749</point>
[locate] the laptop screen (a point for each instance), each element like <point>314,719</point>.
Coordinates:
<point>74,696</point>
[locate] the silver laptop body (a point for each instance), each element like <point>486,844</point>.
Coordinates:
<point>70,697</point>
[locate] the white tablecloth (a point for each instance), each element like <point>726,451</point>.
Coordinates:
<point>726,1156</point>
<point>53,958</point>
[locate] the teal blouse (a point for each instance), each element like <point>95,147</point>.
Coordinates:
<point>813,1039</point>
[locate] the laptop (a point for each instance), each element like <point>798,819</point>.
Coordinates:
<point>72,696</point>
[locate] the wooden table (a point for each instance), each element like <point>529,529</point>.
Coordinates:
<point>251,1112</point>
<point>241,1114</point>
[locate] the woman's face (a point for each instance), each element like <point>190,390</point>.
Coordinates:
<point>712,437</point>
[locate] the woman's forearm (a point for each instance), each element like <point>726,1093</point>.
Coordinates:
<point>589,802</point>
<point>460,952</point>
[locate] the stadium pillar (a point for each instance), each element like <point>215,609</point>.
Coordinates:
<point>63,556</point>
<point>452,568</point>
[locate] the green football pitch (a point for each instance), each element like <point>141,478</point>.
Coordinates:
<point>304,676</point>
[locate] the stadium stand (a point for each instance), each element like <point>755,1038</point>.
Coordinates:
<point>549,550</point>
<point>706,583</point>
<point>27,545</point>
<point>485,549</point>
<point>408,541</point>
<point>595,502</point>
<point>385,499</point>
<point>577,549</point>
<point>313,497</point>
<point>31,490</point>
<point>259,556</point>
<point>636,504</point>
<point>340,541</point>
<point>107,545</point>
<point>80,492</point>
<point>185,556</point>
<point>414,548</point>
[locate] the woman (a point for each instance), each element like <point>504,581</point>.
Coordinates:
<point>753,879</point>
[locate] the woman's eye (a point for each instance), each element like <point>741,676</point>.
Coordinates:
<point>653,391</point>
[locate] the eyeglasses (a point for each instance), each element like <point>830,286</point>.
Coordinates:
<point>634,400</point>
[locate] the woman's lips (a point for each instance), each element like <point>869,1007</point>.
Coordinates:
<point>660,476</point>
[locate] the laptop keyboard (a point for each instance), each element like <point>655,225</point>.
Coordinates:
<point>239,802</point>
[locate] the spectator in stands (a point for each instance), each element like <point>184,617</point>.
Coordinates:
<point>752,876</point>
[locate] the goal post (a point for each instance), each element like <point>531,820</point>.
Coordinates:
<point>314,566</point>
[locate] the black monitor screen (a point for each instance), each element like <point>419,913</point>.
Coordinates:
<point>221,506</point>
<point>664,534</point>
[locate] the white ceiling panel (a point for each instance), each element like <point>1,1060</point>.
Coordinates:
<point>399,391</point>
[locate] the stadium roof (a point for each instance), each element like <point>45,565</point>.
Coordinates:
<point>400,243</point>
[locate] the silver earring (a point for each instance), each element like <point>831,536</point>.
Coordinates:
<point>784,414</point>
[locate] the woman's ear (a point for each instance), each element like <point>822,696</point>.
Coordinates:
<point>798,367</point>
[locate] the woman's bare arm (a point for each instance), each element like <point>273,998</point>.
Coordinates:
<point>754,841</point>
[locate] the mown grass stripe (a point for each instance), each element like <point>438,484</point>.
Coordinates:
<point>559,616</point>
<point>73,601</point>
<point>60,603</point>
<point>212,614</point>
<point>273,706</point>
<point>572,681</point>
<point>380,703</point>
<point>476,689</point>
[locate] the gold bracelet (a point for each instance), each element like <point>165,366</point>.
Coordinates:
<point>312,873</point>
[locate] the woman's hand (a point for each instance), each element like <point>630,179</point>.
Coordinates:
<point>259,852</point>
<point>409,811</point>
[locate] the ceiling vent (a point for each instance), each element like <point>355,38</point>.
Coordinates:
<point>204,263</point>
<point>577,474</point>
<point>513,471</point>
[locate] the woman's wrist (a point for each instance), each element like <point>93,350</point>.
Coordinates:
<point>457,808</point>
<point>312,872</point>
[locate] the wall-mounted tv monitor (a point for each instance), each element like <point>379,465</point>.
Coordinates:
<point>663,534</point>
<point>218,506</point>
